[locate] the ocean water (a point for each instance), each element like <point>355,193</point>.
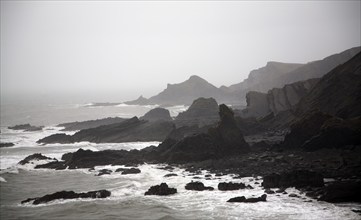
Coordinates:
<point>127,200</point>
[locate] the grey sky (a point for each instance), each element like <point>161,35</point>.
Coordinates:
<point>115,51</point>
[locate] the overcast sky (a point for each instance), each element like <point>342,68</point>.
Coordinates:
<point>115,51</point>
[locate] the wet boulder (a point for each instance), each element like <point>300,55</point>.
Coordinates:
<point>248,200</point>
<point>342,191</point>
<point>104,172</point>
<point>36,156</point>
<point>230,186</point>
<point>160,190</point>
<point>197,186</point>
<point>67,195</point>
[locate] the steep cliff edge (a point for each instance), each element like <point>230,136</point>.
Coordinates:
<point>276,100</point>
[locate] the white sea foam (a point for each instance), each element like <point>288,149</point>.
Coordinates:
<point>2,179</point>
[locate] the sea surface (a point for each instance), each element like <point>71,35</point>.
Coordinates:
<point>127,200</point>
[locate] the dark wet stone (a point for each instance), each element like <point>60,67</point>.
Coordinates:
<point>161,190</point>
<point>170,175</point>
<point>269,191</point>
<point>231,186</point>
<point>104,172</point>
<point>67,195</point>
<point>249,200</point>
<point>36,156</point>
<point>197,186</point>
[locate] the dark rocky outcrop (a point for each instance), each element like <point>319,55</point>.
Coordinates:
<point>104,172</point>
<point>67,195</point>
<point>161,190</point>
<point>341,191</point>
<point>296,178</point>
<point>336,133</point>
<point>131,171</point>
<point>139,101</point>
<point>157,114</point>
<point>224,140</point>
<point>129,130</point>
<point>89,159</point>
<point>277,99</point>
<point>6,144</point>
<point>197,186</point>
<point>26,127</point>
<point>337,93</point>
<point>57,138</point>
<point>36,156</point>
<point>230,186</point>
<point>74,126</point>
<point>305,128</point>
<point>203,111</point>
<point>249,200</point>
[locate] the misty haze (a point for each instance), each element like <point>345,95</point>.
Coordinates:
<point>180,110</point>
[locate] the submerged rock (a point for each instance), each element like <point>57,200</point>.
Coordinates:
<point>170,175</point>
<point>249,200</point>
<point>197,186</point>
<point>6,144</point>
<point>231,186</point>
<point>131,171</point>
<point>160,190</point>
<point>67,195</point>
<point>104,172</point>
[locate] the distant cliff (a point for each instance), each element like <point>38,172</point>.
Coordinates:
<point>338,93</point>
<point>277,99</point>
<point>276,75</point>
<point>273,75</point>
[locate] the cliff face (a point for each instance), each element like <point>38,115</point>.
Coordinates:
<point>276,75</point>
<point>203,111</point>
<point>157,114</point>
<point>277,99</point>
<point>338,93</point>
<point>264,78</point>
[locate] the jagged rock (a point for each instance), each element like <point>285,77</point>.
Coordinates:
<point>68,195</point>
<point>140,101</point>
<point>304,129</point>
<point>74,126</point>
<point>336,133</point>
<point>197,186</point>
<point>230,186</point>
<point>57,138</point>
<point>224,140</point>
<point>249,200</point>
<point>157,114</point>
<point>129,130</point>
<point>161,190</point>
<point>296,178</point>
<point>26,127</point>
<point>35,156</point>
<point>88,159</point>
<point>203,111</point>
<point>338,92</point>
